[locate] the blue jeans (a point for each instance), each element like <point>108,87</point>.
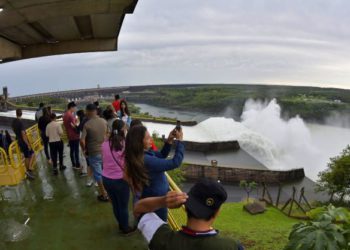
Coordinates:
<point>74,152</point>
<point>119,193</point>
<point>96,166</point>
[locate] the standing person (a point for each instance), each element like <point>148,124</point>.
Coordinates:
<point>44,120</point>
<point>145,168</point>
<point>110,117</point>
<point>39,111</point>
<point>113,172</point>
<point>23,143</point>
<point>124,112</point>
<point>49,109</point>
<point>116,104</point>
<point>70,123</point>
<point>94,133</point>
<point>99,109</point>
<point>2,136</point>
<point>54,132</point>
<point>202,205</point>
<point>8,139</point>
<point>82,120</point>
<point>138,122</point>
<point>4,141</point>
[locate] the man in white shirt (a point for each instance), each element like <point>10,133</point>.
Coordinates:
<point>54,132</point>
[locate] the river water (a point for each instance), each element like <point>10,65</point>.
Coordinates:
<point>276,142</point>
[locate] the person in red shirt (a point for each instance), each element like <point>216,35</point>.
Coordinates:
<point>70,123</point>
<point>116,103</point>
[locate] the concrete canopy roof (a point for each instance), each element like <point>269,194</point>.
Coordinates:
<point>34,28</point>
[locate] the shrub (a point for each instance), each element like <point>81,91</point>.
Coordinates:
<point>248,187</point>
<point>328,230</point>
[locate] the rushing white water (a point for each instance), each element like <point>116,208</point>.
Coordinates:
<point>277,143</point>
<point>285,144</point>
<point>290,142</point>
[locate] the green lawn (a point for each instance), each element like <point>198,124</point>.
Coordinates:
<point>268,231</point>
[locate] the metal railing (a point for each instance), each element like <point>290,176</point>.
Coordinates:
<point>176,217</point>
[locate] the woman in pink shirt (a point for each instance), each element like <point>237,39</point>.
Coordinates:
<point>112,175</point>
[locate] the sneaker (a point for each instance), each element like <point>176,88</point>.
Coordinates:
<point>76,167</point>
<point>62,168</point>
<point>89,182</point>
<point>96,184</point>
<point>30,175</point>
<point>129,231</point>
<point>55,171</point>
<point>83,174</point>
<point>103,198</point>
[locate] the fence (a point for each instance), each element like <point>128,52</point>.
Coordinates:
<point>12,168</point>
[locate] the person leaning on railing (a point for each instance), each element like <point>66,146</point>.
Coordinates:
<point>202,205</point>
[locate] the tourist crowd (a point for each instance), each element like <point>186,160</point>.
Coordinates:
<point>123,161</point>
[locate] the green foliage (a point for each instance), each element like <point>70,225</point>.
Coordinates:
<point>336,178</point>
<point>248,187</point>
<point>177,175</point>
<point>310,103</point>
<point>54,102</point>
<point>328,230</point>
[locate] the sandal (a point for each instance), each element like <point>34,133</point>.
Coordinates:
<point>103,198</point>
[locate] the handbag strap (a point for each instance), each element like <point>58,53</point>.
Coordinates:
<point>115,158</point>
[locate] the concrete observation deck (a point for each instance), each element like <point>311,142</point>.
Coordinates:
<point>34,28</point>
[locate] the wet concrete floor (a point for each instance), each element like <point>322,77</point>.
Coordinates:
<point>63,212</point>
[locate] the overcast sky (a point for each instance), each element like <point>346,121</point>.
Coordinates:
<point>294,42</point>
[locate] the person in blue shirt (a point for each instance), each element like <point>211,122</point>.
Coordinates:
<point>145,168</point>
<point>125,113</point>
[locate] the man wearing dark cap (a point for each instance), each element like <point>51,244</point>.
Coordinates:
<point>70,124</point>
<point>23,143</point>
<point>92,137</point>
<point>202,205</point>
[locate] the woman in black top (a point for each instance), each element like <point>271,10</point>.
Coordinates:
<point>42,123</point>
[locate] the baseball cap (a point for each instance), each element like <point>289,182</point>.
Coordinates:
<point>205,197</point>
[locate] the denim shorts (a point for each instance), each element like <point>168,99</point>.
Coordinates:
<point>95,163</point>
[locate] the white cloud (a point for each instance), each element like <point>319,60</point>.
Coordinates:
<point>229,41</point>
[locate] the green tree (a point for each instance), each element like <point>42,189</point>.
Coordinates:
<point>248,187</point>
<point>336,178</point>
